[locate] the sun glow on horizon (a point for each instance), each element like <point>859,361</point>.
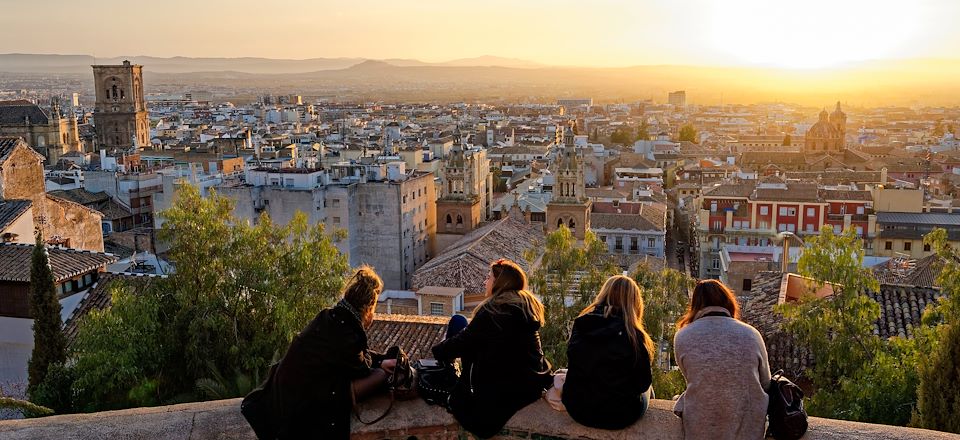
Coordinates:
<point>814,34</point>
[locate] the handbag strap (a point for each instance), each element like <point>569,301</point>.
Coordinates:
<point>356,409</point>
<point>389,381</point>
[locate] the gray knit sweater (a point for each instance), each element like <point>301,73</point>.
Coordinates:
<point>725,364</point>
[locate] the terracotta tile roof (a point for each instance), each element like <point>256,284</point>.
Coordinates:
<point>924,272</point>
<point>644,218</point>
<point>849,195</point>
<point>15,262</point>
<point>11,210</point>
<point>901,308</point>
<point>98,201</point>
<point>98,298</point>
<point>9,143</point>
<point>755,158</point>
<point>795,192</point>
<point>416,335</point>
<point>733,188</point>
<point>466,263</point>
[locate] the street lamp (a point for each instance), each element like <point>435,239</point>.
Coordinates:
<point>784,237</point>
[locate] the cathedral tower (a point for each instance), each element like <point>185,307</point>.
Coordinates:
<point>459,208</point>
<point>120,114</point>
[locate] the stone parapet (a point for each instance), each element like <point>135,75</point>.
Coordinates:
<point>408,420</point>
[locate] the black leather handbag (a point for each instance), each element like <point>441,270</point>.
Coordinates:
<point>402,384</point>
<point>435,381</point>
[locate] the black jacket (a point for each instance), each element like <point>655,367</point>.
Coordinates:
<point>310,397</point>
<point>606,374</point>
<point>503,368</point>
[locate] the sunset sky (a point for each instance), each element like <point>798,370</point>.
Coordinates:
<point>808,34</point>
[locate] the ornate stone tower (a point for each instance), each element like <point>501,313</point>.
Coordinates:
<point>120,113</point>
<point>459,208</point>
<point>839,120</point>
<point>569,205</point>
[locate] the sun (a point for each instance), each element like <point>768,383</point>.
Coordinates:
<point>810,34</point>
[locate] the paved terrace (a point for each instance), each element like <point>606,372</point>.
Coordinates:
<point>408,420</point>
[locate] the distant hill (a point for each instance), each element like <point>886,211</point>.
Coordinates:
<point>42,63</point>
<point>891,82</point>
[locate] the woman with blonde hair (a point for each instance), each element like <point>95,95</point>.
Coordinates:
<point>311,391</point>
<point>724,361</point>
<point>609,359</point>
<point>503,367</point>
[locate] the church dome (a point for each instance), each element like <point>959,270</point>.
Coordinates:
<point>823,129</point>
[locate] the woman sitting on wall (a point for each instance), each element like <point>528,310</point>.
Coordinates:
<point>503,367</point>
<point>608,382</point>
<point>725,364</point>
<point>327,367</point>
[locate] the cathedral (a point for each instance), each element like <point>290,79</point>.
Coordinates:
<point>120,115</point>
<point>48,132</point>
<point>828,134</point>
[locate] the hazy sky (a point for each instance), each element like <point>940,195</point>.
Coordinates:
<point>784,33</point>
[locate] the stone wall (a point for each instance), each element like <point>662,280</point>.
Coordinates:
<point>408,420</point>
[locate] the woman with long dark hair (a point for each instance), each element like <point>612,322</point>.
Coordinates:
<point>503,367</point>
<point>724,362</point>
<point>328,366</point>
<point>609,356</point>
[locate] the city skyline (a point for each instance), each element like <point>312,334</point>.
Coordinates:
<point>744,33</point>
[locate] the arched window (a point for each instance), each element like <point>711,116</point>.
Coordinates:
<point>114,91</point>
<point>559,223</point>
<point>449,219</point>
<point>571,224</point>
<point>459,220</point>
<point>121,93</point>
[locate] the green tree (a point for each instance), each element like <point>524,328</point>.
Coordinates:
<point>938,393</point>
<point>239,294</point>
<point>643,131</point>
<point>566,276</point>
<point>49,344</point>
<point>688,133</point>
<point>622,135</point>
<point>837,330</point>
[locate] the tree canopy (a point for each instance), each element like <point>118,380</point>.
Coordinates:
<point>239,294</point>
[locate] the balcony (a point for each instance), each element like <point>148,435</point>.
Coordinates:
<point>408,419</point>
<point>853,217</point>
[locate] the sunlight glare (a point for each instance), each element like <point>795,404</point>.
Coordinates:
<point>812,34</point>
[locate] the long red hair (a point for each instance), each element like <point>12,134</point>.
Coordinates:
<point>709,293</point>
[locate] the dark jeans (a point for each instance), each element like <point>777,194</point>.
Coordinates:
<point>456,325</point>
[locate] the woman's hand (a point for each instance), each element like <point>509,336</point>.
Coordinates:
<point>388,365</point>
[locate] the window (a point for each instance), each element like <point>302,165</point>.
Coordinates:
<point>449,220</point>
<point>810,228</point>
<point>651,242</point>
<point>619,244</point>
<point>888,246</point>
<point>713,206</point>
<point>336,203</point>
<point>764,210</point>
<point>716,264</point>
<point>907,245</point>
<point>436,309</point>
<point>810,212</point>
<point>926,247</point>
<point>860,210</point>
<point>788,211</point>
<point>747,284</point>
<point>860,231</point>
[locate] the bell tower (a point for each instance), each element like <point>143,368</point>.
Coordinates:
<point>569,205</point>
<point>120,113</point>
<point>459,208</point>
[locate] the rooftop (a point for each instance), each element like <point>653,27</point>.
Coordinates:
<point>15,262</point>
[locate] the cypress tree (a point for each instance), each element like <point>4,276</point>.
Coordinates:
<point>938,396</point>
<point>49,343</point>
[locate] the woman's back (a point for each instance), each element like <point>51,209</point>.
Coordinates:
<point>724,362</point>
<point>607,373</point>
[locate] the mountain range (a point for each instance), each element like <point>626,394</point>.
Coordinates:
<point>50,63</point>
